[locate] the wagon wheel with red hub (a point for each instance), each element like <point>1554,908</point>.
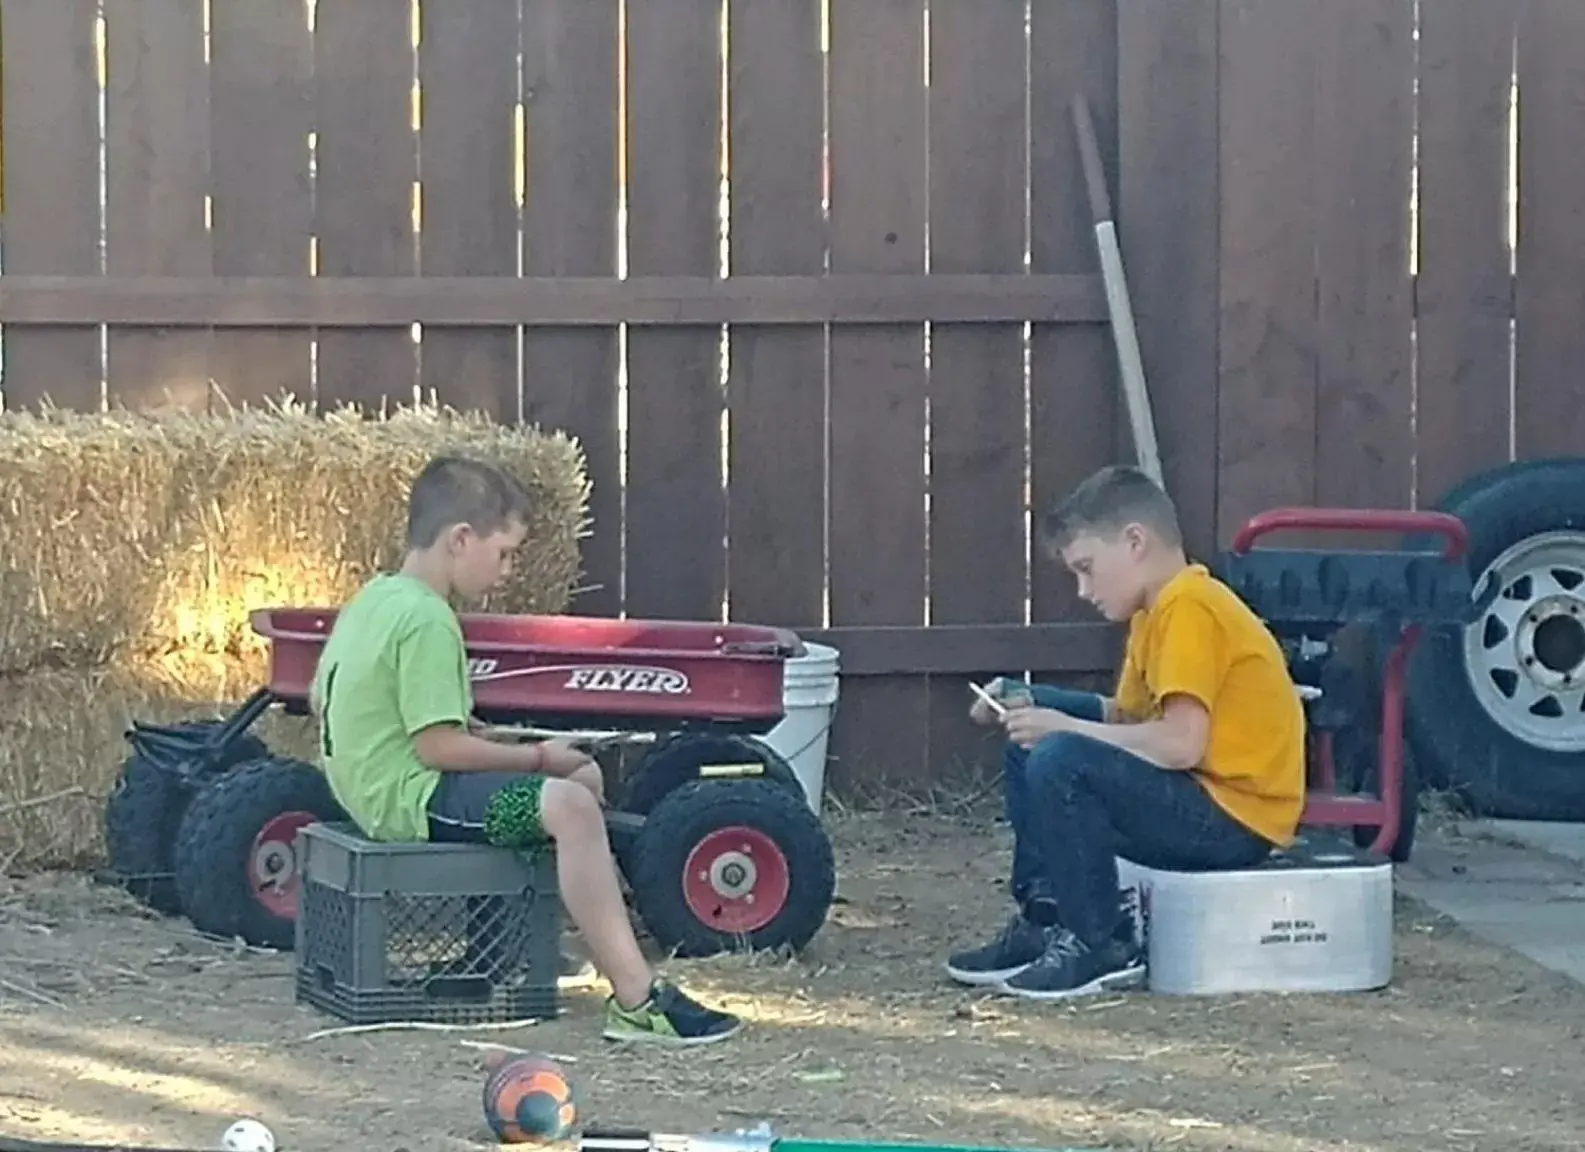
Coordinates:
<point>689,756</point>
<point>733,865</point>
<point>236,855</point>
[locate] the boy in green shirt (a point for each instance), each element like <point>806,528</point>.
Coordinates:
<point>394,701</point>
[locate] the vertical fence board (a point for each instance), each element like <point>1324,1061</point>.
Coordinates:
<point>1267,404</point>
<point>363,59</point>
<point>1463,288</point>
<point>261,111</point>
<point>1364,143</point>
<point>878,385</point>
<point>1073,396</point>
<point>1549,400</point>
<point>570,92</point>
<point>156,178</point>
<point>977,170</point>
<point>1169,226</point>
<point>776,390</point>
<point>676,508</point>
<point>51,177</point>
<point>467,75</point>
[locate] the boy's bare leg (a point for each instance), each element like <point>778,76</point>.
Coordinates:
<point>586,873</point>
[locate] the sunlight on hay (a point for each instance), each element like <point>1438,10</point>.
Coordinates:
<point>62,743</point>
<point>122,533</point>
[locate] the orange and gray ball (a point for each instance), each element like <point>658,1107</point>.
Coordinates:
<point>530,1099</point>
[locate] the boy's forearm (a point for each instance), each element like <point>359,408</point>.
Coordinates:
<point>1152,740</point>
<point>445,748</point>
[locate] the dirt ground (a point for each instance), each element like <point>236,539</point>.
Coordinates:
<point>116,1025</point>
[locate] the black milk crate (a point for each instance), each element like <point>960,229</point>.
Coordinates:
<point>441,933</point>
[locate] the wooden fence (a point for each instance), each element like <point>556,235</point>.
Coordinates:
<point>823,390</point>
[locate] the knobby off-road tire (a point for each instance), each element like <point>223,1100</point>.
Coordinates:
<point>220,858</point>
<point>1496,711</point>
<point>677,761</point>
<point>144,812</point>
<point>733,865</point>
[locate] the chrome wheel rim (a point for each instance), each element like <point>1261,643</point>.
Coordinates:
<point>1525,655</point>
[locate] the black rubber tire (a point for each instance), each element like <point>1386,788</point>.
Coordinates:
<point>1353,682</point>
<point>1455,743</point>
<point>676,761</point>
<point>1358,766</point>
<point>144,812</point>
<point>685,816</point>
<point>215,843</point>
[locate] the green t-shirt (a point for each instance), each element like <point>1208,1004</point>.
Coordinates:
<point>394,664</point>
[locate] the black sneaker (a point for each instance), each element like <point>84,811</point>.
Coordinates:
<point>1130,919</point>
<point>1068,968</point>
<point>667,1017</point>
<point>1018,945</point>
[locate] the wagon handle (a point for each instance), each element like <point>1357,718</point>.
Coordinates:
<point>786,645</point>
<point>262,621</point>
<point>1451,528</point>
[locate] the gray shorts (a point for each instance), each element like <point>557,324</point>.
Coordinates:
<point>488,808</point>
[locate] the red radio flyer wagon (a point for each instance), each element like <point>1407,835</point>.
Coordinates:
<point>712,831</point>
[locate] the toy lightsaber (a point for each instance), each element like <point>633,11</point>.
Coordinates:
<point>758,1139</point>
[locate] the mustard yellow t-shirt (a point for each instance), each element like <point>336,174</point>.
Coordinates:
<point>1201,640</point>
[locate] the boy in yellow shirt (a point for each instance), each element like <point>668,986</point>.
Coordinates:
<point>1196,764</point>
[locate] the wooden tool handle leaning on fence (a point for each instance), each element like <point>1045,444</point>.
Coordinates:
<point>1130,364</point>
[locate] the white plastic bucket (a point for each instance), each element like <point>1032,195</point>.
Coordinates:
<point>809,695</point>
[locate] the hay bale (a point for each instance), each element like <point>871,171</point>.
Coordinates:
<point>127,536</point>
<point>62,744</point>
<point>87,510</point>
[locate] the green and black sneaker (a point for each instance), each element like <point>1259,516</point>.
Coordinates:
<point>669,1016</point>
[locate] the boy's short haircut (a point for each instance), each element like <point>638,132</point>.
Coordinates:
<point>1107,502</point>
<point>461,490</point>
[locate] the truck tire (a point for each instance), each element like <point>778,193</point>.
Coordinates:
<point>1496,710</point>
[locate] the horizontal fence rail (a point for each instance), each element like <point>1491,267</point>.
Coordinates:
<point>566,301</point>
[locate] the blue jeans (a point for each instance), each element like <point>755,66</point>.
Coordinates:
<point>1076,803</point>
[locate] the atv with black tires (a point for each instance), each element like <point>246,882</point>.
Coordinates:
<point>169,763</point>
